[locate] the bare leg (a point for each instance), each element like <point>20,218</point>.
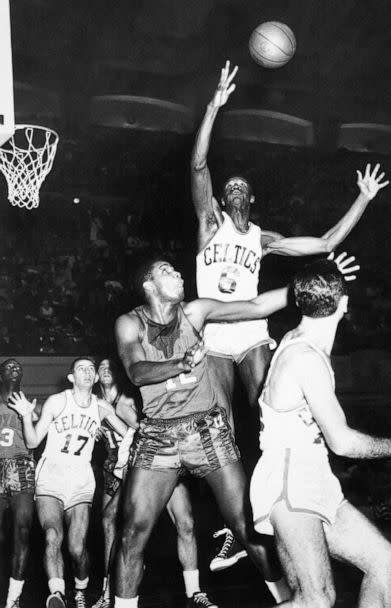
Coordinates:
<point>144,496</point>
<point>230,489</point>
<point>253,370</point>
<point>22,506</point>
<point>50,514</point>
<point>180,510</point>
<point>303,552</point>
<point>221,373</point>
<point>78,519</point>
<point>353,538</point>
<point>109,520</point>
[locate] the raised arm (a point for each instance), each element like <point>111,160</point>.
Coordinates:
<point>369,186</point>
<point>320,395</point>
<point>208,214</point>
<point>131,352</point>
<point>35,433</point>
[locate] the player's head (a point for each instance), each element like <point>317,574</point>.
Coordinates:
<point>320,290</point>
<point>107,372</point>
<point>82,372</point>
<point>159,279</point>
<point>237,194</point>
<point>11,372</point>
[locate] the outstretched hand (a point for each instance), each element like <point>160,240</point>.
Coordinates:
<point>225,86</point>
<point>371,183</point>
<point>344,265</point>
<point>21,404</point>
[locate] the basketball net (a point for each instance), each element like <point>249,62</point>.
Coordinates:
<point>25,160</point>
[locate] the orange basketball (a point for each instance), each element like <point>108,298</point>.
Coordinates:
<point>272,44</point>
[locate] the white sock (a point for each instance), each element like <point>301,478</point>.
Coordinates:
<point>14,591</point>
<point>120,602</point>
<point>81,584</point>
<point>192,582</point>
<point>279,590</point>
<point>106,587</point>
<point>56,584</point>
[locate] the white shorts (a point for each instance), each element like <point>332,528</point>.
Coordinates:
<point>303,479</point>
<point>235,340</point>
<point>72,485</point>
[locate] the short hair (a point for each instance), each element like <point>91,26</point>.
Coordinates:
<point>318,289</point>
<point>144,272</point>
<point>86,358</point>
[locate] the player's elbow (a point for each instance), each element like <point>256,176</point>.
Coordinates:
<point>197,165</point>
<point>341,444</point>
<point>32,444</point>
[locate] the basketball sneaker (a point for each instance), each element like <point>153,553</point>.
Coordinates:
<point>102,602</point>
<point>80,598</point>
<point>56,600</point>
<point>200,600</point>
<point>230,553</point>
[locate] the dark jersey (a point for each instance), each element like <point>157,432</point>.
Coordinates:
<point>185,393</point>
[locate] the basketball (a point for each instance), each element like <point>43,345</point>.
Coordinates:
<point>272,44</point>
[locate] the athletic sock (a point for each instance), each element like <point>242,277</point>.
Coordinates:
<point>192,582</point>
<point>81,584</point>
<point>279,590</point>
<point>106,587</point>
<point>14,591</point>
<point>56,584</point>
<point>120,602</point>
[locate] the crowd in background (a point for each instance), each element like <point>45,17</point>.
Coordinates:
<point>66,269</point>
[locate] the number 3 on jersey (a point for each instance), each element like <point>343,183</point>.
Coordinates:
<point>6,437</point>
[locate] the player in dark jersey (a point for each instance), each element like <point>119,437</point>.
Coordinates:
<point>184,428</point>
<point>17,469</point>
<point>179,506</point>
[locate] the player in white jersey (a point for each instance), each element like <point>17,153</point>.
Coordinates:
<point>65,482</point>
<point>230,249</point>
<point>293,490</point>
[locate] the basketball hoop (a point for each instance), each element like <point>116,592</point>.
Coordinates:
<point>25,160</point>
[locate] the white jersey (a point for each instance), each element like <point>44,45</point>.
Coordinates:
<point>228,266</point>
<point>71,436</point>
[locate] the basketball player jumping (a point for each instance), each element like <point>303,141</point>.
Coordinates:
<point>179,505</point>
<point>230,249</point>
<point>293,490</point>
<point>17,470</point>
<point>65,482</point>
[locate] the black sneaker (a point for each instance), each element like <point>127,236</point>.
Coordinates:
<point>200,600</point>
<point>56,600</point>
<point>80,598</point>
<point>230,553</point>
<point>102,602</point>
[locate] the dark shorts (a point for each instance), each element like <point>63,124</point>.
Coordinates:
<point>111,483</point>
<point>17,475</point>
<point>200,444</point>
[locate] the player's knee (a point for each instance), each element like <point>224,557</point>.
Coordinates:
<point>77,547</point>
<point>107,521</point>
<point>135,526</point>
<point>53,537</point>
<point>185,526</point>
<point>22,531</point>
